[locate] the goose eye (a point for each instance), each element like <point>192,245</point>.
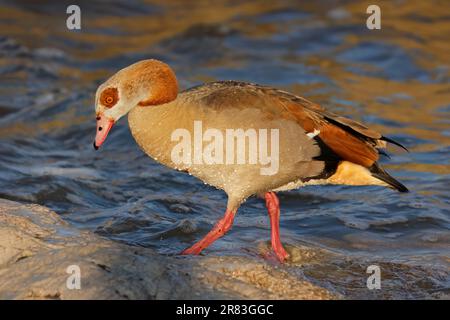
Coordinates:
<point>109,97</point>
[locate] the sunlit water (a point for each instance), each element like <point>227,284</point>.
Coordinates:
<point>396,80</point>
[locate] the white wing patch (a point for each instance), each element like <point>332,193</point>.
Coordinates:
<point>313,134</point>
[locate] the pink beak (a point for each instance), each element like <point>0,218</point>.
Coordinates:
<point>103,126</point>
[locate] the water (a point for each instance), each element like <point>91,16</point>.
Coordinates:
<point>396,80</point>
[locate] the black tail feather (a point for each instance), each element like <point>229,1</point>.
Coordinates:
<point>381,174</point>
<point>384,153</point>
<point>394,142</point>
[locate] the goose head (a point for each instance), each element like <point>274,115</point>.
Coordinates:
<point>146,83</point>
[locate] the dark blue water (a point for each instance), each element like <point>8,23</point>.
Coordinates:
<point>396,80</point>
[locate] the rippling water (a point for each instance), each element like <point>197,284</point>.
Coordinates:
<point>396,80</point>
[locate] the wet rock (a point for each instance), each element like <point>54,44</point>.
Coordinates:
<point>38,249</point>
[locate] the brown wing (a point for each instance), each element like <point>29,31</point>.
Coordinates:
<point>350,140</point>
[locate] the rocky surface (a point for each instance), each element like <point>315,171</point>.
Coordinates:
<point>37,247</point>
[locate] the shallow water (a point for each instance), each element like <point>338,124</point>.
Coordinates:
<point>396,80</point>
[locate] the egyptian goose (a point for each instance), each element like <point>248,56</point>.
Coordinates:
<point>310,144</point>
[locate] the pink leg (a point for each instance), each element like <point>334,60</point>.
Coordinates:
<point>273,207</point>
<point>221,227</point>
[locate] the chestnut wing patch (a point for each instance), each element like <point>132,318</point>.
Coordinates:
<point>348,146</point>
